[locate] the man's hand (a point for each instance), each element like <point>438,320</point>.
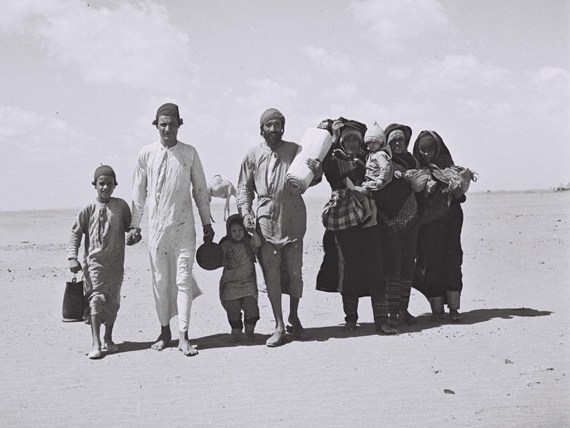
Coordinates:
<point>316,166</point>
<point>249,222</point>
<point>208,233</point>
<point>74,265</point>
<point>134,236</point>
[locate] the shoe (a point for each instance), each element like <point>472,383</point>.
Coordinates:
<point>382,326</point>
<point>406,317</point>
<point>454,315</point>
<point>235,335</point>
<point>350,325</point>
<point>110,347</point>
<point>276,339</point>
<point>250,331</point>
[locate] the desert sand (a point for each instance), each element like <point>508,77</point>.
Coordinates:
<point>507,364</point>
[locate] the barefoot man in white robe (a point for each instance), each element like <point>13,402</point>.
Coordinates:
<point>167,176</point>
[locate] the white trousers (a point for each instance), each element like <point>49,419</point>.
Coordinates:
<point>174,286</point>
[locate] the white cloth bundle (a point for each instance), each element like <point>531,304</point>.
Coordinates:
<point>315,144</point>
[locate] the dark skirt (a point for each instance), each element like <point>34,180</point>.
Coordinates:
<point>439,257</point>
<point>352,263</point>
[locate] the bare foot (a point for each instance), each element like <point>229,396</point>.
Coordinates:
<point>297,329</point>
<point>185,347</point>
<point>184,344</point>
<point>276,339</point>
<point>110,346</point>
<point>162,341</point>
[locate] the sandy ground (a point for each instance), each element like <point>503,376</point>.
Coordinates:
<point>507,364</point>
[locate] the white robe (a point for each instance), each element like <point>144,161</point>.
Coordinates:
<point>167,178</point>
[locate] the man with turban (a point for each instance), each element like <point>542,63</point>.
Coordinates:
<point>168,174</point>
<point>281,218</point>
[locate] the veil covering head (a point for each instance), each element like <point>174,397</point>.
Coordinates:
<point>431,139</point>
<point>404,130</point>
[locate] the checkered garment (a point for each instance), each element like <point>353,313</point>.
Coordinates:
<point>343,211</point>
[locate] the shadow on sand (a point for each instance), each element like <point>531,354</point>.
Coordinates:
<point>321,334</point>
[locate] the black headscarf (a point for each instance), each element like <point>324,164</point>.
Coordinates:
<point>442,157</point>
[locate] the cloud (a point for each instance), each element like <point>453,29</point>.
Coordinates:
<point>550,87</point>
<point>459,72</point>
<point>38,138</point>
<point>265,93</point>
<point>394,23</point>
<point>330,61</point>
<point>132,45</point>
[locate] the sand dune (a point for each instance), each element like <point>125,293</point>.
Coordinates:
<point>506,365</point>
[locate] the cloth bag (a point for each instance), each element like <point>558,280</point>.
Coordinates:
<point>73,307</point>
<point>343,211</point>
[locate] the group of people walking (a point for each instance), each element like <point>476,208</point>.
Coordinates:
<point>411,237</point>
<point>394,221</point>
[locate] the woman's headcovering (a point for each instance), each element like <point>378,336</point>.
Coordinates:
<point>168,109</point>
<point>352,125</point>
<point>404,129</point>
<point>104,170</point>
<point>271,114</point>
<point>427,139</point>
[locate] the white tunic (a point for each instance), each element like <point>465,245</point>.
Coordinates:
<point>167,178</point>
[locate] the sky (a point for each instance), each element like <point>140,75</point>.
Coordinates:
<point>82,79</point>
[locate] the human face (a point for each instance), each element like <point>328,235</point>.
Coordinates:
<point>237,232</point>
<point>351,144</point>
<point>168,130</point>
<point>272,132</point>
<point>105,186</point>
<point>397,142</point>
<point>427,154</point>
<point>373,146</point>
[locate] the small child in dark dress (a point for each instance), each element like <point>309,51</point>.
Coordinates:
<point>238,284</point>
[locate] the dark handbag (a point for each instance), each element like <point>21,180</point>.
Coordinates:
<point>73,301</point>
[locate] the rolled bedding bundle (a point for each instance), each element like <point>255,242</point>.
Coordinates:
<point>457,177</point>
<point>315,144</point>
<point>417,178</point>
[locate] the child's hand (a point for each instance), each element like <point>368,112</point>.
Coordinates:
<point>134,236</point>
<point>74,265</point>
<point>360,191</point>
